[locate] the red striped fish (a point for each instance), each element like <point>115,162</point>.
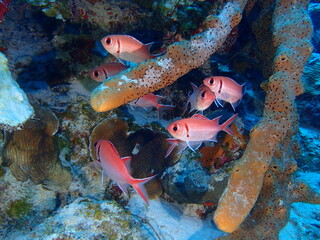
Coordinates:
<point>197,129</point>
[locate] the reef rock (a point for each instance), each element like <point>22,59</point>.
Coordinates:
<point>310,149</point>
<point>311,74</point>
<point>90,219</point>
<point>14,105</point>
<point>314,11</point>
<point>308,103</point>
<point>304,218</point>
<point>188,182</point>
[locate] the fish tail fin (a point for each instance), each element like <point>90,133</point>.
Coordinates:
<point>161,107</point>
<point>137,184</point>
<point>226,124</point>
<point>149,45</point>
<point>158,54</point>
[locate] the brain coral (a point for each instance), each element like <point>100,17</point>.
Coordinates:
<point>32,152</point>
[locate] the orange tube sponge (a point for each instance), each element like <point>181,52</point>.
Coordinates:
<point>179,59</point>
<point>291,38</point>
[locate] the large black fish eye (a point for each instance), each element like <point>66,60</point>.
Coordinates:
<point>175,127</point>
<point>96,73</point>
<point>203,94</point>
<point>211,81</point>
<point>108,40</point>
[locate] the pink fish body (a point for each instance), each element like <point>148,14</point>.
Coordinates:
<point>127,48</point>
<point>150,100</point>
<point>225,89</point>
<point>200,99</point>
<point>196,130</point>
<point>118,169</point>
<point>101,73</point>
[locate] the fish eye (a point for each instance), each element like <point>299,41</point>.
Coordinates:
<point>211,81</point>
<point>108,40</point>
<point>175,128</point>
<point>96,73</point>
<point>203,94</point>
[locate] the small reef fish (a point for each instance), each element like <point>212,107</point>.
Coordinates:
<point>150,100</point>
<point>127,48</point>
<point>200,99</point>
<point>192,132</point>
<point>225,89</point>
<point>101,73</point>
<point>118,169</point>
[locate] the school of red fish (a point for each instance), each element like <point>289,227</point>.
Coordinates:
<point>187,132</point>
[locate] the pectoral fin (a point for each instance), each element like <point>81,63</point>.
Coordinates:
<point>124,188</point>
<point>194,145</point>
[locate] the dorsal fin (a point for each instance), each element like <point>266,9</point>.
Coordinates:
<point>158,97</point>
<point>194,87</point>
<point>113,148</point>
<point>216,119</point>
<point>199,116</point>
<point>149,45</point>
<point>127,162</point>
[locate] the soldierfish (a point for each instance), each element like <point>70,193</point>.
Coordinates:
<point>225,89</point>
<point>101,73</point>
<point>200,99</point>
<point>197,129</point>
<point>118,169</point>
<point>127,48</point>
<point>150,100</point>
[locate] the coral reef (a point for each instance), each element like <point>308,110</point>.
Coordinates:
<point>106,220</point>
<point>14,105</point>
<point>109,16</point>
<point>230,149</point>
<point>304,217</point>
<point>154,74</point>
<point>23,205</point>
<point>188,182</point>
<point>50,59</point>
<point>32,152</point>
<point>308,102</point>
<point>309,159</point>
<point>266,167</point>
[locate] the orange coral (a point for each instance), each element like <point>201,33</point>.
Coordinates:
<point>277,126</point>
<point>226,151</point>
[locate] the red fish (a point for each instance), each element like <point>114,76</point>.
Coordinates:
<point>150,100</point>
<point>200,99</point>
<point>225,89</point>
<point>4,8</point>
<point>197,129</point>
<point>127,48</point>
<point>101,73</point>
<point>118,169</point>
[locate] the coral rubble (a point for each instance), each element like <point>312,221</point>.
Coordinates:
<point>14,105</point>
<point>266,167</point>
